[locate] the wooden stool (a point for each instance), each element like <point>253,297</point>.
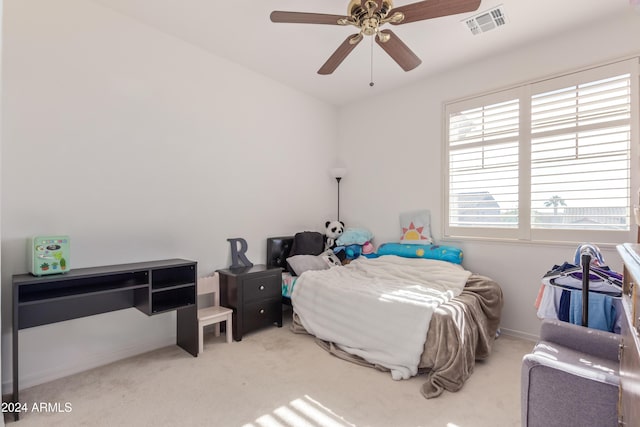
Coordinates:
<point>214,314</point>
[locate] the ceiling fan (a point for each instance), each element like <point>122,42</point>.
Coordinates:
<point>369,16</point>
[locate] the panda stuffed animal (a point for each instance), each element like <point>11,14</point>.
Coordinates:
<point>333,230</point>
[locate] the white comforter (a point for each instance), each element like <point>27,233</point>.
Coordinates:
<point>378,309</point>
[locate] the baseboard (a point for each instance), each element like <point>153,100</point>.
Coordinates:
<point>519,334</point>
<point>89,361</point>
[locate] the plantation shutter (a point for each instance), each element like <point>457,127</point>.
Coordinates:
<point>483,165</point>
<point>580,153</point>
<point>546,161</point>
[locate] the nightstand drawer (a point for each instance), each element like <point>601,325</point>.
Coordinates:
<point>262,313</point>
<point>262,287</point>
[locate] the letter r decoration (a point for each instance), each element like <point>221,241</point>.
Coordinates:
<point>238,253</point>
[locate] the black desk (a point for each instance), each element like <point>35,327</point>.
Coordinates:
<point>152,287</point>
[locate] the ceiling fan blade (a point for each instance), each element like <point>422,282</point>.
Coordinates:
<point>340,54</point>
<point>399,51</point>
<point>305,18</point>
<point>434,9</point>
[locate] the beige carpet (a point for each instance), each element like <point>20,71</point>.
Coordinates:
<point>274,378</point>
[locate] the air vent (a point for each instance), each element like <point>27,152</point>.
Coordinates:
<point>486,21</point>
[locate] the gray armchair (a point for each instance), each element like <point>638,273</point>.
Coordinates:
<point>571,377</point>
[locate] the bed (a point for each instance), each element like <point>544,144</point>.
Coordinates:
<point>406,316</point>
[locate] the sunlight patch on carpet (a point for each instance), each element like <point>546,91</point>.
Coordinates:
<point>302,412</point>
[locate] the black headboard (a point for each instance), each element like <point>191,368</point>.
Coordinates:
<point>278,249</point>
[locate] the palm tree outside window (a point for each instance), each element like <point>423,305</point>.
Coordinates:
<point>555,201</point>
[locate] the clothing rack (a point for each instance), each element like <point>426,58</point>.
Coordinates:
<point>610,283</point>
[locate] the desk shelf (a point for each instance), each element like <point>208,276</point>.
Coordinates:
<point>42,290</point>
<point>168,300</point>
<point>170,288</point>
<point>172,277</point>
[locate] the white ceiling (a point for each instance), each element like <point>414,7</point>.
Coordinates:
<point>292,53</point>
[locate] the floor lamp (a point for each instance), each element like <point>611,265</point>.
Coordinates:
<point>338,174</point>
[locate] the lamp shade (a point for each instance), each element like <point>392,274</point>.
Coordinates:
<point>338,172</point>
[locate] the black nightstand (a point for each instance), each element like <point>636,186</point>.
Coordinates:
<point>254,294</point>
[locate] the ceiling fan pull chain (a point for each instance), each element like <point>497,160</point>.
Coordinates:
<point>371,82</point>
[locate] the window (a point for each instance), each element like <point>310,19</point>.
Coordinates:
<point>545,161</point>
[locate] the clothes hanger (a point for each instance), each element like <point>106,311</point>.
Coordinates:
<point>551,282</point>
<point>565,271</point>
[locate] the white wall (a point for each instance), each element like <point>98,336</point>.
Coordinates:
<point>140,147</point>
<point>397,167</point>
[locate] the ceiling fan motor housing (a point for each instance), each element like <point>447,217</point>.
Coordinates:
<point>368,15</point>
<point>369,26</point>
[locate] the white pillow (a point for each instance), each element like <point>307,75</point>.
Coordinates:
<point>302,263</point>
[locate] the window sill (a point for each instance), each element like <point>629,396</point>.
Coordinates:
<point>452,240</point>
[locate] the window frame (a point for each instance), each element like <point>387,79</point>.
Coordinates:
<point>524,91</point>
